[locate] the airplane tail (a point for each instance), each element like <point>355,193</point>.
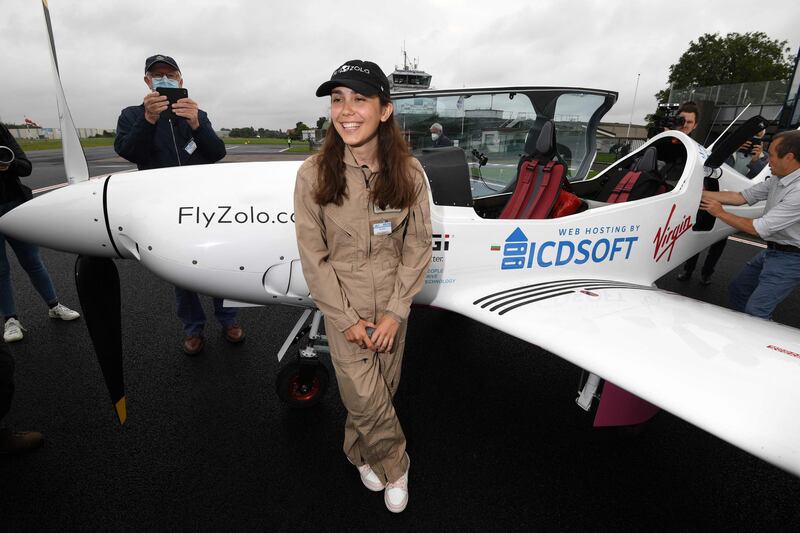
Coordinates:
<point>74,158</point>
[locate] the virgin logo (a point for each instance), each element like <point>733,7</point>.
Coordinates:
<point>667,235</point>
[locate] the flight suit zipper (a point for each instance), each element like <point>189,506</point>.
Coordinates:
<point>364,170</point>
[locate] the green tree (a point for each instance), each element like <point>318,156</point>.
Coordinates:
<point>297,133</point>
<point>246,133</point>
<point>321,122</point>
<point>735,58</point>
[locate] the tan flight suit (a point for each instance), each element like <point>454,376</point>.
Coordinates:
<point>354,274</point>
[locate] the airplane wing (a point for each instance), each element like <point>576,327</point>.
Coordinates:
<point>731,374</point>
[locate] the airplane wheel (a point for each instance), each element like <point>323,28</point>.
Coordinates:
<point>302,385</point>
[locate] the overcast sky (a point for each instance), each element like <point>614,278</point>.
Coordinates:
<point>258,63</point>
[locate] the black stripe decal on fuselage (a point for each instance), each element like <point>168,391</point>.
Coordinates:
<point>507,300</point>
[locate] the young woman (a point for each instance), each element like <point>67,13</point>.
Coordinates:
<point>364,234</point>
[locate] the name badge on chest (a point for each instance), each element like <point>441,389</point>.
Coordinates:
<point>191,147</point>
<point>382,228</point>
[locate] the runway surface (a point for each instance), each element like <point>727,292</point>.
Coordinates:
<point>496,440</point>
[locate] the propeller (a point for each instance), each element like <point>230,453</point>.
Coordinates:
<point>96,278</point>
<point>97,282</point>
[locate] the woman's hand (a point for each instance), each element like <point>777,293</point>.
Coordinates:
<point>357,333</point>
<point>384,334</point>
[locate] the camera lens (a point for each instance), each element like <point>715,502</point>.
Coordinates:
<point>6,155</point>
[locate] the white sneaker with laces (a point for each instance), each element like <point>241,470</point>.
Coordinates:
<point>396,494</point>
<point>13,330</point>
<point>369,478</point>
<point>63,312</point>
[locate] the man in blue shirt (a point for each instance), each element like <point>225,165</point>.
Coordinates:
<point>767,279</point>
<point>150,138</point>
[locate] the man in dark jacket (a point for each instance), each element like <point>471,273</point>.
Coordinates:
<point>150,138</point>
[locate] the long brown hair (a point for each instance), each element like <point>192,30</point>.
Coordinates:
<point>393,185</point>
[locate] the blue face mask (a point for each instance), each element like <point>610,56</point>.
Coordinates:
<point>165,82</point>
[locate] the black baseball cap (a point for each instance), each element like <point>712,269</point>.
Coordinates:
<point>160,58</point>
<point>364,77</point>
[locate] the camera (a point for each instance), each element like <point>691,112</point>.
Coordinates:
<point>6,155</point>
<point>668,116</point>
<point>480,157</point>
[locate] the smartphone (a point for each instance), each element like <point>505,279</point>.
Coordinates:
<point>173,95</point>
<point>754,142</point>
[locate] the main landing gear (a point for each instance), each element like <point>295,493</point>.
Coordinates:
<point>302,382</point>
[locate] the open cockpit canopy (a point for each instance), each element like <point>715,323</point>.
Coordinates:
<point>499,126</point>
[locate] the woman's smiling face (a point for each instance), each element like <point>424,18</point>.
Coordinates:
<point>356,117</point>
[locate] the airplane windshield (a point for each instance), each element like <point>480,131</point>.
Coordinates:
<point>502,126</point>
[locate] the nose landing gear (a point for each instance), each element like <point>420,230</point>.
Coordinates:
<point>303,381</point>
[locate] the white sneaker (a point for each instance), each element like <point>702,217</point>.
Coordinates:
<point>63,312</point>
<point>396,494</point>
<point>13,330</point>
<point>369,478</point>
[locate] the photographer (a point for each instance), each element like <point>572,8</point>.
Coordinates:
<point>13,165</point>
<point>684,119</point>
<point>157,134</point>
<point>750,158</point>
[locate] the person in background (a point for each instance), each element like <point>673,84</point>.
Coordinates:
<point>768,278</point>
<point>13,165</point>
<point>152,140</point>
<point>438,137</point>
<point>750,158</point>
<point>691,116</point>
<point>12,441</point>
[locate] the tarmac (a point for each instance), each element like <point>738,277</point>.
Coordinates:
<point>496,440</point>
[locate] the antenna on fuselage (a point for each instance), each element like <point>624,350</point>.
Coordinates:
<point>711,146</point>
<point>74,158</point>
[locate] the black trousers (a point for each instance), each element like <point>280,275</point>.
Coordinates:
<point>713,253</point>
<point>6,380</point>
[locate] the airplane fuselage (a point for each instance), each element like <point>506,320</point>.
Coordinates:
<point>228,231</point>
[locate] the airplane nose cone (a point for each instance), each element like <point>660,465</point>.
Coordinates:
<point>71,219</point>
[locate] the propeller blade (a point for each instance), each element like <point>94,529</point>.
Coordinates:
<point>97,281</point>
<point>74,157</point>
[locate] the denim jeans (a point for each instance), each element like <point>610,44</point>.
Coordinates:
<point>191,314</point>
<point>29,259</point>
<point>764,282</point>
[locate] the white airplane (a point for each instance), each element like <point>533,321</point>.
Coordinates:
<point>571,272</point>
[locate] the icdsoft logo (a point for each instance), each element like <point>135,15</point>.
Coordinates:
<point>520,252</point>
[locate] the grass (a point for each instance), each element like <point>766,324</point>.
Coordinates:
<point>30,145</point>
<point>257,140</point>
<point>605,157</point>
